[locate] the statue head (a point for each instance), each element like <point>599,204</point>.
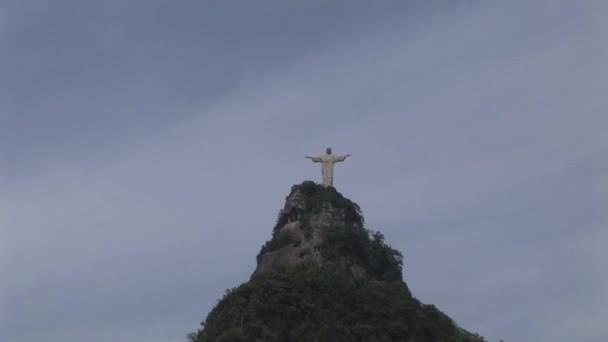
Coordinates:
<point>328,150</point>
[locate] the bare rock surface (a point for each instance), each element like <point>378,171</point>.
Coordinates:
<point>299,236</point>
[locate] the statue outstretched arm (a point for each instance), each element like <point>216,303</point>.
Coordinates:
<point>315,159</point>
<point>339,158</point>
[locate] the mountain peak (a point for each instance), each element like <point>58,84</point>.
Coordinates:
<point>324,277</point>
<point>320,226</point>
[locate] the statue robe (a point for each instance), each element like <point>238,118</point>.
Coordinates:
<point>328,161</point>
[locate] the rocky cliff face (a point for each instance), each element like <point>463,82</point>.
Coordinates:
<point>324,277</point>
<point>299,237</point>
<point>319,226</point>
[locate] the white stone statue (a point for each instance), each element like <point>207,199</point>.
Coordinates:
<point>327,160</point>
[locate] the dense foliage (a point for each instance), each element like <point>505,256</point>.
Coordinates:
<point>357,246</point>
<point>324,301</point>
<point>308,303</point>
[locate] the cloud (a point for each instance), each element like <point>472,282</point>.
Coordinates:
<point>477,139</point>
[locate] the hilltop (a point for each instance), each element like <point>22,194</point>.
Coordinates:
<point>324,277</point>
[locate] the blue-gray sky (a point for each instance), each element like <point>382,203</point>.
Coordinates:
<point>147,146</point>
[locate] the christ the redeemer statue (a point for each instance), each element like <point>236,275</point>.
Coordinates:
<point>327,160</point>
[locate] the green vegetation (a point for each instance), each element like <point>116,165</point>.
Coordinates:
<point>309,303</point>
<point>356,293</point>
<point>355,245</point>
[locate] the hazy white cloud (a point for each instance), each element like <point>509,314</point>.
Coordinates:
<point>478,147</point>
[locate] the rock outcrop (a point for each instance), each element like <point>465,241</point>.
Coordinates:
<point>310,211</point>
<point>324,277</point>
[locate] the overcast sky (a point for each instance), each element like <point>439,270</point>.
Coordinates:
<point>146,147</point>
